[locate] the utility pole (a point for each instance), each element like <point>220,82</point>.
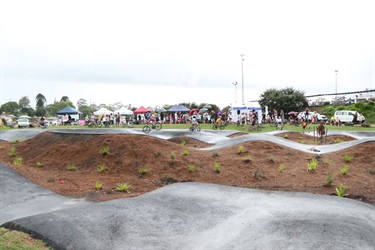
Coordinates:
<point>235,91</point>
<point>243,99</point>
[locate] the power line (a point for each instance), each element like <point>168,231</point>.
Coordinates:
<point>344,93</point>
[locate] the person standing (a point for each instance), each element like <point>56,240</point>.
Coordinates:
<point>282,115</point>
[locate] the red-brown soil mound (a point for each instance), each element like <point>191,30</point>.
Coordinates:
<point>128,154</point>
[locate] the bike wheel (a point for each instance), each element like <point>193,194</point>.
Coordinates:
<point>222,127</point>
<point>158,126</point>
<point>259,128</point>
<point>198,129</point>
<point>214,127</point>
<point>191,129</point>
<point>146,129</point>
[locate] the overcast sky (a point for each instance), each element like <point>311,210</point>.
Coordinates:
<point>164,52</point>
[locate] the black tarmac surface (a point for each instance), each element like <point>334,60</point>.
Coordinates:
<point>189,215</point>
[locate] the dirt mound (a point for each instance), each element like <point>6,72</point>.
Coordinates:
<point>147,163</point>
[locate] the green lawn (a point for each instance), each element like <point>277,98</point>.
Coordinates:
<point>267,128</point>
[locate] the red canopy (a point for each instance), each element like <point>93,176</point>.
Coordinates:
<point>141,110</point>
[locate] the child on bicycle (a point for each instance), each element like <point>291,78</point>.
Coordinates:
<point>279,123</point>
<point>194,121</point>
<point>304,124</point>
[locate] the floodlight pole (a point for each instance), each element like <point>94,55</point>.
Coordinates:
<point>336,71</point>
<point>235,91</point>
<point>243,99</point>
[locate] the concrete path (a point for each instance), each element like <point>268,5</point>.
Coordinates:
<point>188,215</point>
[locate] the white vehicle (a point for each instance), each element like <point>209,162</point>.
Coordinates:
<point>345,116</point>
<point>318,116</point>
<point>24,122</point>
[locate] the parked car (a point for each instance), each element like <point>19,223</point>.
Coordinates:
<point>10,123</point>
<point>345,116</point>
<point>53,121</point>
<point>318,116</point>
<point>24,122</point>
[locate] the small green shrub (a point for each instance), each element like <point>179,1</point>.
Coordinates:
<point>173,156</point>
<point>51,179</point>
<point>344,170</point>
<point>240,149</point>
<point>71,167</point>
<point>158,153</point>
<point>215,154</point>
<point>144,170</point>
<point>183,143</point>
<point>329,180</point>
<point>281,168</point>
<point>98,185</point>
<point>312,164</point>
<point>341,191</point>
<point>186,152</point>
<point>102,168</point>
<point>13,152</point>
<point>104,150</point>
<point>217,167</point>
<point>2,147</point>
<point>14,140</point>
<point>372,171</point>
<point>247,158</point>
<point>338,140</point>
<point>258,175</point>
<point>327,161</point>
<point>18,161</point>
<point>191,168</point>
<point>123,187</point>
<point>272,158</point>
<point>169,179</point>
<point>348,157</point>
<point>39,164</point>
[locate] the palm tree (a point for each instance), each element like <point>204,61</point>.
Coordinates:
<point>40,101</point>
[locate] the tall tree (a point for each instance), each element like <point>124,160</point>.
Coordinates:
<point>41,101</point>
<point>81,102</point>
<point>10,108</point>
<point>287,99</point>
<point>64,99</point>
<point>58,106</point>
<point>24,102</point>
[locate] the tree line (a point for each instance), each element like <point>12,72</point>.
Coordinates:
<point>288,99</point>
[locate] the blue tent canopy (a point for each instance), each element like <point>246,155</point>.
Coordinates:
<point>68,111</point>
<point>178,108</point>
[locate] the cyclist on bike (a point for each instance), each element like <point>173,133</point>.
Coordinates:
<point>194,121</point>
<point>279,123</point>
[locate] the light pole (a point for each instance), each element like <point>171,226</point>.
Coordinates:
<point>243,99</point>
<point>336,71</point>
<point>235,91</point>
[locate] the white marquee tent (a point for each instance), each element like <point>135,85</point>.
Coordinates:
<point>123,111</point>
<point>103,111</point>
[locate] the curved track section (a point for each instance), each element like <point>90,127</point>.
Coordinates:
<point>189,215</point>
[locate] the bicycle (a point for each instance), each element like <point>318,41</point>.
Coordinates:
<point>97,124</point>
<point>147,128</point>
<point>256,126</point>
<point>218,125</point>
<point>128,124</point>
<point>193,128</point>
<point>279,126</point>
